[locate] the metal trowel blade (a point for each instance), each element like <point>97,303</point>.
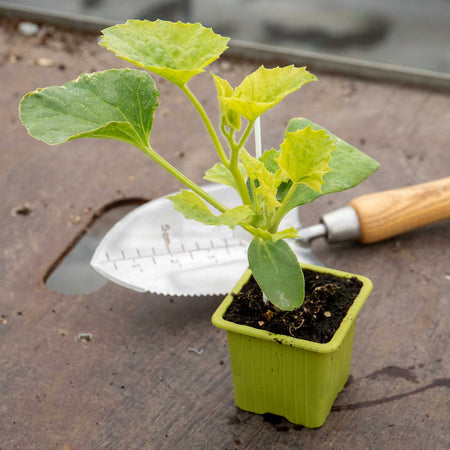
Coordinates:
<point>155,249</point>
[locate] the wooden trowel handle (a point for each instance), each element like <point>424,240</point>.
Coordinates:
<point>389,213</point>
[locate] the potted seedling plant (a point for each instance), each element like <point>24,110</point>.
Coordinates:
<point>280,371</point>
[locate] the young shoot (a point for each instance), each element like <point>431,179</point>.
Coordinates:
<point>120,104</point>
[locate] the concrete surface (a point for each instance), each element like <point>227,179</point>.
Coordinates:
<point>136,384</point>
<point>405,33</point>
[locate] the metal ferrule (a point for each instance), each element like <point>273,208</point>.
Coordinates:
<point>342,224</point>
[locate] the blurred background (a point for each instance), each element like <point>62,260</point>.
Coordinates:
<point>408,33</point>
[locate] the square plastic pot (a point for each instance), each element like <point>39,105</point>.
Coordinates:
<point>290,377</point>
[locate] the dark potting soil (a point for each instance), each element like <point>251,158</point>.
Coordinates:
<point>327,300</point>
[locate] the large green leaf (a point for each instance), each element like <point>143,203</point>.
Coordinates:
<point>264,88</point>
<point>176,51</point>
<point>278,273</point>
<point>349,166</point>
<point>304,156</point>
<point>193,207</point>
<point>114,104</point>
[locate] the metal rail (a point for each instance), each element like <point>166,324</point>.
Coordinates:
<point>319,61</point>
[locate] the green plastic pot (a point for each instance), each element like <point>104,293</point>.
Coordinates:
<point>290,377</point>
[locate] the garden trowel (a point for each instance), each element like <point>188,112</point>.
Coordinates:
<point>155,249</point>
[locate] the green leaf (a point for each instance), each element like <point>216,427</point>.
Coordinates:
<point>264,88</point>
<point>349,166</point>
<point>114,104</point>
<point>251,164</point>
<point>267,188</point>
<point>290,233</point>
<point>265,182</point>
<point>277,272</point>
<point>268,158</point>
<point>221,174</point>
<point>193,207</point>
<point>260,232</point>
<point>175,51</point>
<point>229,117</point>
<point>304,156</point>
<point>284,189</point>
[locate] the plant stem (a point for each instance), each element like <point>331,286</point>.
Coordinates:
<point>185,180</point>
<point>227,134</point>
<point>236,147</point>
<point>241,185</point>
<point>258,232</point>
<point>234,160</point>
<point>198,190</point>
<point>281,210</point>
<point>209,126</point>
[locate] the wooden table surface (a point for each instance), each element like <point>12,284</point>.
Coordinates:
<point>136,384</point>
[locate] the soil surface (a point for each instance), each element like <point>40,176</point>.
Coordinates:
<point>327,300</point>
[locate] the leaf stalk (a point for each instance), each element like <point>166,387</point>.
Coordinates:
<point>185,180</point>
<point>209,126</point>
<point>234,160</point>
<point>280,213</point>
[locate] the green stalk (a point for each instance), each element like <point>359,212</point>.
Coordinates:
<point>236,147</point>
<point>209,126</point>
<point>241,185</point>
<point>198,190</point>
<point>281,210</point>
<point>234,159</point>
<point>258,232</point>
<point>229,134</point>
<point>185,180</point>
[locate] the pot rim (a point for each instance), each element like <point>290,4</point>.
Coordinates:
<point>331,346</point>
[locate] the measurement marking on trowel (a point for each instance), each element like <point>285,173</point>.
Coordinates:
<point>134,260</point>
<point>189,251</point>
<point>154,255</point>
<point>109,260</point>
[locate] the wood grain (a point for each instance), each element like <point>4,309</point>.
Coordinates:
<point>393,212</point>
